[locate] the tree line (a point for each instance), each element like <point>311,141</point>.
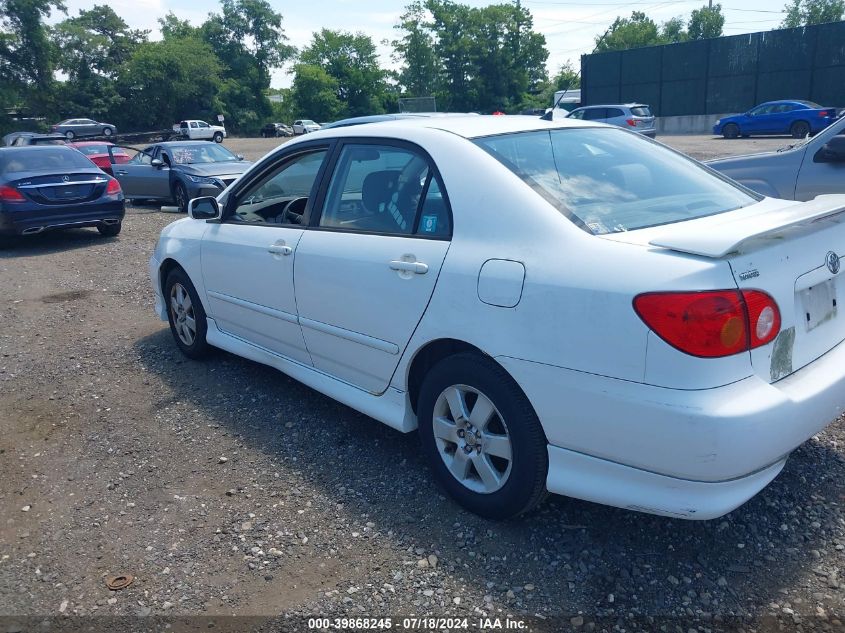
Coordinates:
<point>467,58</point>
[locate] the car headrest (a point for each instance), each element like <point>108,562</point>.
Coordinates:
<point>378,189</point>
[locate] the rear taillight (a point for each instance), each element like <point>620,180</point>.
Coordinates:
<point>631,122</point>
<point>763,317</point>
<point>113,188</point>
<point>824,113</point>
<point>711,324</point>
<point>10,194</point>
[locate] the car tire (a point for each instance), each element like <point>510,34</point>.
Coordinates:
<point>800,129</point>
<point>186,315</point>
<point>180,197</point>
<point>107,131</point>
<point>109,230</point>
<point>731,130</point>
<point>467,454</point>
<point>69,135</point>
<point>218,137</point>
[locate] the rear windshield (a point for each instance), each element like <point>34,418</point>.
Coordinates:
<point>90,150</point>
<point>608,180</point>
<point>641,111</point>
<point>42,159</point>
<point>812,104</point>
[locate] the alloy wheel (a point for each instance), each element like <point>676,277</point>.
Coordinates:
<point>472,439</point>
<point>182,313</point>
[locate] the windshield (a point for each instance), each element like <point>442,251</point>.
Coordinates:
<point>42,159</point>
<point>608,180</point>
<point>308,122</point>
<point>90,150</point>
<point>195,154</point>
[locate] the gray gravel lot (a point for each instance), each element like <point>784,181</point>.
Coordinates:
<point>226,488</point>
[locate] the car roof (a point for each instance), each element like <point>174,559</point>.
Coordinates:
<point>615,105</point>
<point>468,126</point>
<point>167,144</point>
<point>87,143</point>
<point>36,148</point>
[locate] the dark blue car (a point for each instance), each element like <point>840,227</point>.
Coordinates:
<point>44,187</point>
<point>794,117</point>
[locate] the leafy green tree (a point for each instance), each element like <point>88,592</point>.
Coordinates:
<point>315,94</point>
<point>351,60</point>
<point>249,40</point>
<point>567,78</point>
<point>169,80</point>
<point>672,31</point>
<point>415,51</point>
<point>26,52</point>
<point>91,48</point>
<point>489,58</point>
<point>807,12</point>
<point>706,22</point>
<point>173,28</point>
<point>634,32</point>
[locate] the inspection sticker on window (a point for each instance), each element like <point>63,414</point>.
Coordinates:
<point>429,223</point>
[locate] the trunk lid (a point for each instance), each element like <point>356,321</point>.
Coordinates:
<point>63,189</point>
<point>791,251</point>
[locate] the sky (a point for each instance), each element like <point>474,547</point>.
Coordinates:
<point>570,26</point>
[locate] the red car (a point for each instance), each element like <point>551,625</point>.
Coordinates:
<point>98,153</point>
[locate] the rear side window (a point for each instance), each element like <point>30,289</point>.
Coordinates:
<point>60,159</point>
<point>612,113</point>
<point>385,189</point>
<point>641,111</point>
<point>608,181</point>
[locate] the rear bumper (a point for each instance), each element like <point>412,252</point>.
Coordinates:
<point>583,477</point>
<point>18,222</point>
<point>710,437</point>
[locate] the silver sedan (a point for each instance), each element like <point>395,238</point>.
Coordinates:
<point>801,171</point>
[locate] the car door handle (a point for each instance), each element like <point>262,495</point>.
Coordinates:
<point>411,267</point>
<point>121,172</point>
<point>280,249</point>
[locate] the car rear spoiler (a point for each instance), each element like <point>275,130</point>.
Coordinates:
<point>726,234</point>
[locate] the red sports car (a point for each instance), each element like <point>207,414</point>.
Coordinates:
<point>98,153</point>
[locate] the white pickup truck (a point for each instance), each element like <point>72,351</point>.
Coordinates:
<point>200,130</point>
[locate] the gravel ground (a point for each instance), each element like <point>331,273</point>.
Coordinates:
<point>226,488</point>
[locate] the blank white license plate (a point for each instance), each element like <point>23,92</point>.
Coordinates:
<point>819,304</point>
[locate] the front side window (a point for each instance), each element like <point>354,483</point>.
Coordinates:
<point>577,114</point>
<point>595,114</point>
<point>280,196</point>
<point>376,189</point>
<point>144,157</point>
<point>202,124</point>
<point>608,181</point>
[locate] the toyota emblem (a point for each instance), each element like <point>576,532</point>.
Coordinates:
<point>832,261</point>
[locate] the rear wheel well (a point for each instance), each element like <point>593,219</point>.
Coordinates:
<point>428,357</point>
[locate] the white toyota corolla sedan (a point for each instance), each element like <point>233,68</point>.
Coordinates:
<point>556,306</point>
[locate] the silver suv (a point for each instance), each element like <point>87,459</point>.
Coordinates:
<point>636,117</point>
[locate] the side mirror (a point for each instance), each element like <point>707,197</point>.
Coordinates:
<point>240,156</point>
<point>831,152</point>
<point>156,162</point>
<point>205,208</point>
